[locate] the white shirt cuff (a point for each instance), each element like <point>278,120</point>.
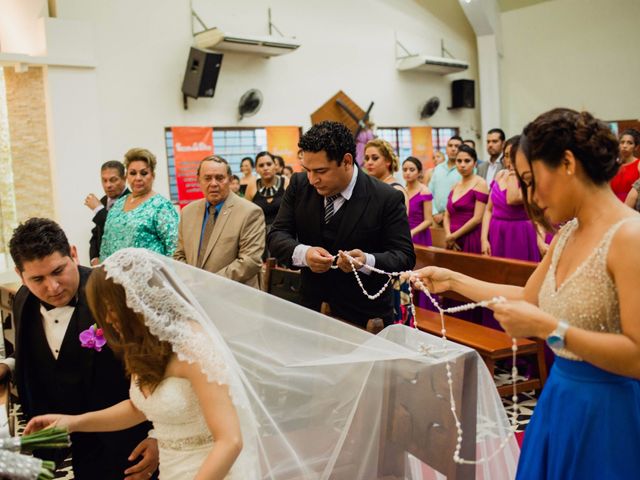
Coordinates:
<point>299,257</point>
<point>11,363</point>
<point>370,262</point>
<point>97,209</point>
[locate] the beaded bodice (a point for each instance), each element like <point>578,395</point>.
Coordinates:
<point>174,410</point>
<point>588,297</point>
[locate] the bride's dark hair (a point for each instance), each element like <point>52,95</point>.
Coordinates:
<point>144,355</point>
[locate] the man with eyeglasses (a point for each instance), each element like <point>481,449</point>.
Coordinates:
<point>221,233</point>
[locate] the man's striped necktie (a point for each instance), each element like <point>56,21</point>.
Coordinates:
<point>328,208</point>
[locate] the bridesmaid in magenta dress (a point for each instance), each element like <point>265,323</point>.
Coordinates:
<point>420,216</point>
<point>506,229</point>
<point>466,204</point>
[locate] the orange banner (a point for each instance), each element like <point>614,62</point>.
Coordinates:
<point>422,145</point>
<point>283,141</point>
<point>190,145</point>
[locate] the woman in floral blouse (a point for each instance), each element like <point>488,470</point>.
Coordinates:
<point>143,218</point>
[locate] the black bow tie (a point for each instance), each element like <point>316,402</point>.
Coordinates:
<point>72,303</point>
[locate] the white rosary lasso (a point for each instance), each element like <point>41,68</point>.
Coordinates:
<point>460,308</point>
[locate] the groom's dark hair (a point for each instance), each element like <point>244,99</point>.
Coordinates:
<point>334,138</point>
<point>35,239</point>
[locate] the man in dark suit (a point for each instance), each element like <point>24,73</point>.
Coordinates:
<point>114,184</point>
<point>336,207</point>
<point>53,372</point>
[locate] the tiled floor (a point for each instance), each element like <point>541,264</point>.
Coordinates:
<point>526,402</point>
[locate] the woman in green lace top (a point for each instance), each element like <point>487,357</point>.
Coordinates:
<point>143,218</point>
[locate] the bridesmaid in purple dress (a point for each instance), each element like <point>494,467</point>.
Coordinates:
<point>506,229</point>
<point>466,204</point>
<point>420,216</point>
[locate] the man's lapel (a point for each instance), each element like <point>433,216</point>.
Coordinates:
<point>354,208</point>
<point>80,321</point>
<point>218,226</point>
<point>312,213</point>
<point>193,230</point>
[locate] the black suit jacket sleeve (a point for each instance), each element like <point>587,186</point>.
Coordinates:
<point>99,219</point>
<point>283,239</point>
<point>398,253</point>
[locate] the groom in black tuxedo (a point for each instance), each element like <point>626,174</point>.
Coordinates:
<point>53,372</point>
<point>334,207</point>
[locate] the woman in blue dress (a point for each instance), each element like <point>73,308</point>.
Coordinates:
<point>582,299</point>
<point>143,218</point>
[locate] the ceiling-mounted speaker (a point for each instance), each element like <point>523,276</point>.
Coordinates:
<point>201,74</point>
<point>463,94</point>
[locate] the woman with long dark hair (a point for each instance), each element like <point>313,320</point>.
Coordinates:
<point>248,177</point>
<point>629,171</point>
<point>268,190</point>
<point>465,205</point>
<point>420,217</point>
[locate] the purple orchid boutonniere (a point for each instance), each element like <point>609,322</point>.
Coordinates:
<point>93,337</point>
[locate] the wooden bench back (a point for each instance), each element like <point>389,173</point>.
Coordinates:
<point>482,267</point>
<point>282,282</point>
<point>437,237</point>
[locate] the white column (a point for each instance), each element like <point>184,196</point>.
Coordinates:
<point>489,88</point>
<point>483,15</point>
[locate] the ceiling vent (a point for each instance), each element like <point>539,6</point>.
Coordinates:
<point>267,46</point>
<point>425,63</point>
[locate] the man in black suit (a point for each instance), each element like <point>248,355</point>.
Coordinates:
<point>53,372</point>
<point>114,184</point>
<point>336,207</point>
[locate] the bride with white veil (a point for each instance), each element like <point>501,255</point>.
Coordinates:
<point>217,365</point>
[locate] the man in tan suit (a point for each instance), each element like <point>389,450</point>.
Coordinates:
<point>222,233</point>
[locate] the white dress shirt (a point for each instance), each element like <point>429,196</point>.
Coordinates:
<point>492,169</point>
<point>299,257</point>
<point>55,323</point>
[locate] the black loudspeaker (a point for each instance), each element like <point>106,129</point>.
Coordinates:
<point>463,94</point>
<point>201,75</point>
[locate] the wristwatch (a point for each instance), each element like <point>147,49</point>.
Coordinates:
<point>555,340</point>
